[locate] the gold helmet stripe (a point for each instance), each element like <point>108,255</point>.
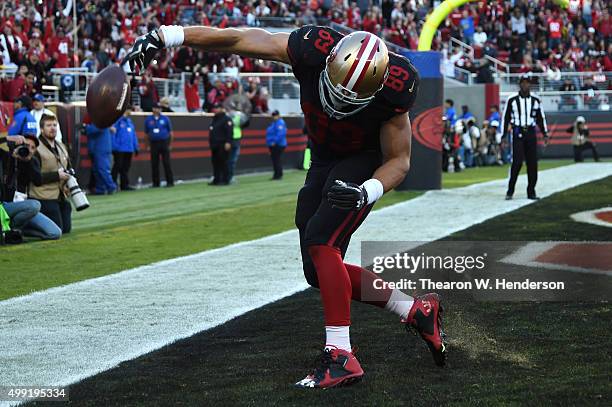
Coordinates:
<point>356,62</point>
<point>365,68</point>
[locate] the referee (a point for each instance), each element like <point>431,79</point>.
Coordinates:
<point>522,112</point>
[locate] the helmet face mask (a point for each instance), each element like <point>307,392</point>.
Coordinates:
<point>355,71</point>
<point>339,102</point>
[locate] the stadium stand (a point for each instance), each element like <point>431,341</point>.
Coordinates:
<point>519,36</point>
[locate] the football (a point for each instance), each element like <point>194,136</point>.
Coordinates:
<point>108,96</point>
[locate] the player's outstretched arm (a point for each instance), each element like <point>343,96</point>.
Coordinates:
<point>249,42</point>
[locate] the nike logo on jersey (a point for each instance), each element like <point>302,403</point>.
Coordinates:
<point>307,34</point>
<point>412,87</point>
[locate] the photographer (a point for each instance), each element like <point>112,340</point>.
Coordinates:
<point>18,168</point>
<point>49,188</point>
<point>580,139</point>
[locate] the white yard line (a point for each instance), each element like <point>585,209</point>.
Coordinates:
<point>65,334</point>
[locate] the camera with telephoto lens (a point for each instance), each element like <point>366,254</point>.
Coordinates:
<point>77,196</point>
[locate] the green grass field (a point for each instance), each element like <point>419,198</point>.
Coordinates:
<point>500,354</point>
<point>131,229</point>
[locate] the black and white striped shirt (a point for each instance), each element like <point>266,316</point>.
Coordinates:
<point>524,111</point>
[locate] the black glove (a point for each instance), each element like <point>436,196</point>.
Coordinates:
<point>347,196</point>
<point>143,51</point>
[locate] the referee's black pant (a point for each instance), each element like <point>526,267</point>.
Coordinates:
<point>524,148</point>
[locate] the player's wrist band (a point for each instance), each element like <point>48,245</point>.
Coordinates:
<point>374,188</point>
<point>174,35</point>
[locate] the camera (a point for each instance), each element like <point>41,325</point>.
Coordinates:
<point>22,151</point>
<point>77,196</point>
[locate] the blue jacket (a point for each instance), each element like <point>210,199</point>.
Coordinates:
<point>158,128</point>
<point>23,123</point>
<point>451,115</point>
<point>495,116</point>
<point>125,139</point>
<point>467,115</point>
<point>468,26</point>
<point>276,133</point>
<point>99,141</point>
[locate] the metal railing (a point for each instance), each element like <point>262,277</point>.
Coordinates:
<point>500,66</point>
<point>575,101</point>
<point>553,80</point>
<point>464,47</point>
<point>464,76</point>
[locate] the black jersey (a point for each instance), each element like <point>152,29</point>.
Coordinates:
<point>308,49</point>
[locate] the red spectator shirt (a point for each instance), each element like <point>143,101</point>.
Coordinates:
<point>555,25</point>
<point>191,96</point>
<point>61,46</point>
<point>15,88</point>
<point>456,17</point>
<point>369,25</point>
<point>607,63</point>
<point>604,26</point>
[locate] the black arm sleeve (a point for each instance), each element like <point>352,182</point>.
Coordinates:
<point>541,120</point>
<point>35,175</point>
<point>507,116</point>
<point>229,130</point>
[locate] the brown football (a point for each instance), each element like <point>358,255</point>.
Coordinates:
<point>108,96</point>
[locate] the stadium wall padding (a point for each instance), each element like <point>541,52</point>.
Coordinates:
<point>600,126</point>
<point>190,151</point>
<point>191,155</point>
<point>426,117</point>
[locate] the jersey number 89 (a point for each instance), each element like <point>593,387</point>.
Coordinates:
<point>397,78</point>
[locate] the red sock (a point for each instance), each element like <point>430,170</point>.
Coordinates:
<point>334,284</point>
<point>362,286</point>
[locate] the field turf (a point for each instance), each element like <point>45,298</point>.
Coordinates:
<point>131,229</point>
<point>510,354</point>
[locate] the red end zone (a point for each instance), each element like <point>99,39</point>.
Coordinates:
<point>584,255</point>
<point>580,257</point>
<point>600,217</point>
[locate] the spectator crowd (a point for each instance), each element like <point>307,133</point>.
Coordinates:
<point>531,35</point>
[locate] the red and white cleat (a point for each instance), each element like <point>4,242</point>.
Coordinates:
<point>425,317</point>
<point>336,368</point>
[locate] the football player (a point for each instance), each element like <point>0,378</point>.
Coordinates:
<point>355,95</point>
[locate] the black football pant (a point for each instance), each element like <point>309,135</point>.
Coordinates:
<point>319,223</point>
<point>220,163</point>
<point>161,148</point>
<point>586,146</point>
<point>276,153</point>
<point>121,166</point>
<point>524,148</point>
